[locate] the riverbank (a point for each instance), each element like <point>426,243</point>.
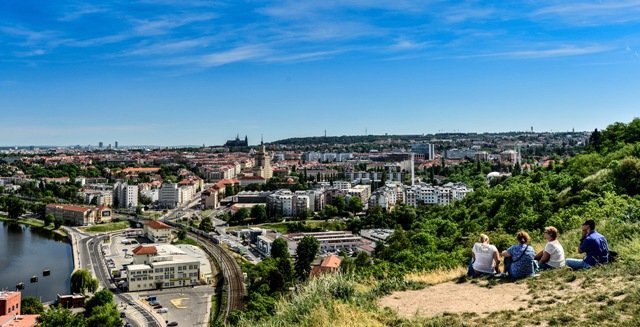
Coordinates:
<point>75,248</point>
<point>36,223</point>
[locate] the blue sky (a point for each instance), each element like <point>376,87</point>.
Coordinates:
<point>192,72</point>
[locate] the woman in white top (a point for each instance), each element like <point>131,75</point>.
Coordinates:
<point>486,258</point>
<point>553,254</point>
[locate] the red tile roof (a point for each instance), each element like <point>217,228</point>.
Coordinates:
<point>141,250</point>
<point>68,207</point>
<point>157,224</point>
<point>332,261</point>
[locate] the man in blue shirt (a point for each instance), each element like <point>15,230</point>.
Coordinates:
<point>594,245</point>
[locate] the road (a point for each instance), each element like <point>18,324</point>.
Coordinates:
<point>97,262</point>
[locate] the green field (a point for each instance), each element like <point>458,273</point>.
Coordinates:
<point>108,227</point>
<point>188,241</point>
<point>283,227</point>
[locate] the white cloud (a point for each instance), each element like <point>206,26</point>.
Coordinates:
<point>566,51</point>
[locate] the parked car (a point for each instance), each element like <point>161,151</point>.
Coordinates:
<point>163,310</point>
<point>172,324</point>
<point>157,306</point>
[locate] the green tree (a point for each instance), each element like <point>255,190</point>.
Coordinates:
<point>61,317</point>
<point>340,203</point>
<point>57,223</point>
<point>280,248</point>
<point>31,305</point>
<point>329,211</point>
<point>259,213</point>
<point>627,176</point>
<point>355,204</point>
<point>206,225</point>
<point>182,233</point>
<point>240,215</point>
<point>98,299</point>
<point>595,140</point>
<point>15,207</point>
<point>305,254</point>
<point>82,281</point>
<point>362,260</point>
<point>49,219</point>
<point>104,316</point>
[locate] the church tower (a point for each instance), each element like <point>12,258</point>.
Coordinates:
<point>262,167</point>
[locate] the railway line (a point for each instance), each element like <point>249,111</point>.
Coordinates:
<point>233,279</point>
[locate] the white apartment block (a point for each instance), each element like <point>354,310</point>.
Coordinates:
<point>342,185</point>
<point>152,269</point>
<point>125,195</point>
<point>169,195</point>
<point>289,204</point>
<point>429,194</point>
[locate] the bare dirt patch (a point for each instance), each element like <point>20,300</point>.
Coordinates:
<point>457,298</point>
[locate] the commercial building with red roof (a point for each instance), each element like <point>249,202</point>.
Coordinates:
<point>157,231</point>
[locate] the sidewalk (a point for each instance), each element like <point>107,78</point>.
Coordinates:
<point>75,248</point>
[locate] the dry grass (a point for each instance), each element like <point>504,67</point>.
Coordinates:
<point>436,276</point>
<point>341,315</point>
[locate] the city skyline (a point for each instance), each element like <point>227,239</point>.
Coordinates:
<point>192,72</point>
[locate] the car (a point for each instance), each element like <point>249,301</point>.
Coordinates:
<point>163,310</point>
<point>122,314</point>
<point>157,306</point>
<point>127,324</point>
<point>172,324</point>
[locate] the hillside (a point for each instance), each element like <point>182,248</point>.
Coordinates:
<point>417,277</point>
<point>604,296</point>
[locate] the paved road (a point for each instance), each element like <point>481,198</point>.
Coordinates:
<point>97,262</point>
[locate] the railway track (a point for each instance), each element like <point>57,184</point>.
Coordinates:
<point>231,274</point>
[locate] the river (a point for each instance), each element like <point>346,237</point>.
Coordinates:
<point>26,252</point>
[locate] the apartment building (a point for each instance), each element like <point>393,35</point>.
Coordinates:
<point>125,195</point>
<point>429,194</point>
<point>169,195</point>
<point>289,204</point>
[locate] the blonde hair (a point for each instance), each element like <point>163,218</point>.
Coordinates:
<point>484,238</point>
<point>552,231</point>
<point>523,237</point>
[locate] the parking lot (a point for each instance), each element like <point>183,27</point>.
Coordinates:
<point>187,307</point>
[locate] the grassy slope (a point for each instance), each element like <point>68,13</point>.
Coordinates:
<point>604,296</point>
<point>108,227</point>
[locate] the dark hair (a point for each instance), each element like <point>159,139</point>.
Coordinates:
<point>591,224</point>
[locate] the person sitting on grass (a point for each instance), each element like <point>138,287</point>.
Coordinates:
<point>553,254</point>
<point>519,259</point>
<point>485,258</point>
<point>594,245</point>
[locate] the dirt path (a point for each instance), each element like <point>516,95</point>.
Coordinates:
<point>457,298</point>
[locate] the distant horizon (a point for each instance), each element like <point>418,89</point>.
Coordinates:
<point>194,71</point>
<point>121,145</point>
